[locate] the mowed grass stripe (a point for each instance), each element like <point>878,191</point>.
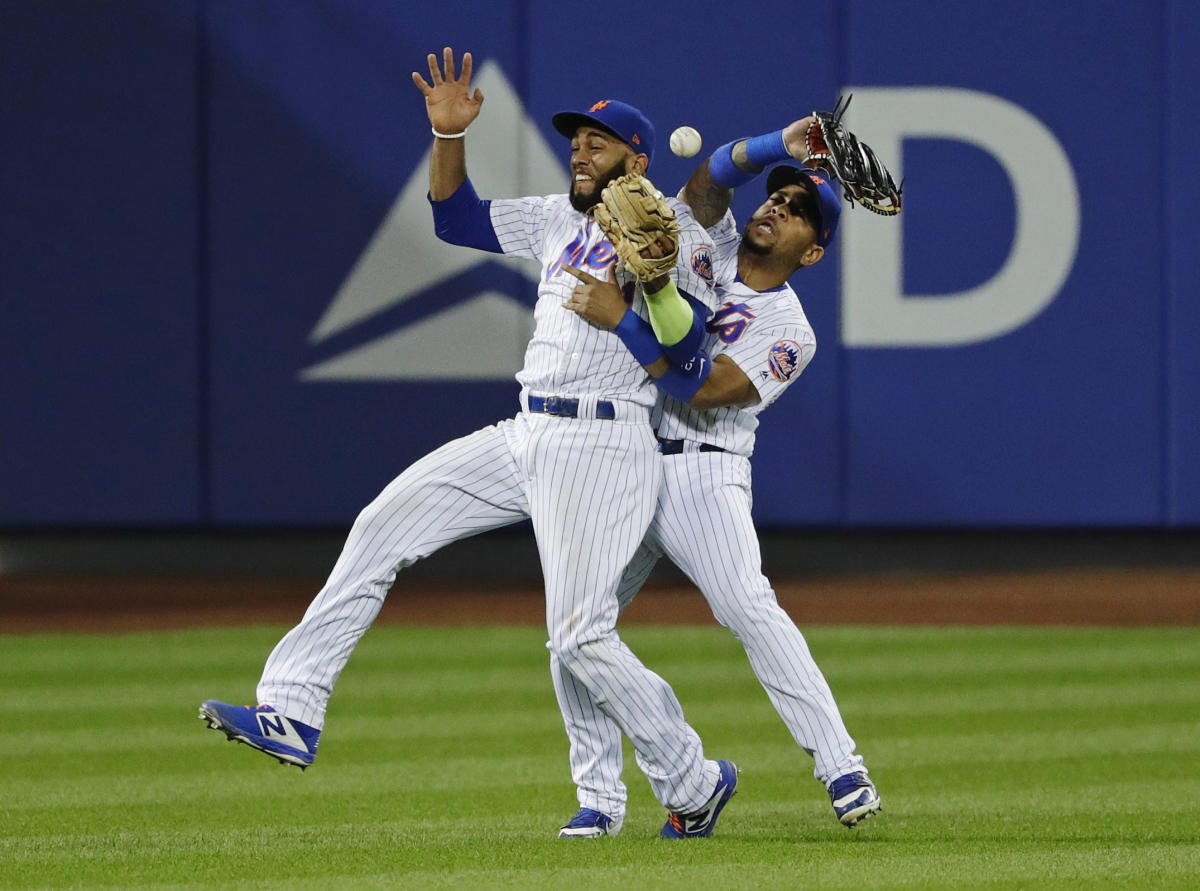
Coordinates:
<point>1010,757</point>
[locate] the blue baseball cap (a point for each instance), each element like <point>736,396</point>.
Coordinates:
<point>824,190</point>
<point>612,116</point>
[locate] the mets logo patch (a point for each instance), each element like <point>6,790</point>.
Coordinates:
<point>702,264</point>
<point>783,359</point>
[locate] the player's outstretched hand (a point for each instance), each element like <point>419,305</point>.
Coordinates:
<point>448,98</point>
<point>795,138</point>
<point>599,301</point>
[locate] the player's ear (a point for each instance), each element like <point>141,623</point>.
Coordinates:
<point>638,163</point>
<point>812,254</point>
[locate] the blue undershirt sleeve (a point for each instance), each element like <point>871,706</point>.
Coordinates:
<point>465,219</point>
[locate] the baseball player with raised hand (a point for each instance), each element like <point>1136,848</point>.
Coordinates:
<point>760,341</point>
<point>580,458</point>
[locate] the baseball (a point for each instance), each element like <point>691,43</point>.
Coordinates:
<point>685,141</point>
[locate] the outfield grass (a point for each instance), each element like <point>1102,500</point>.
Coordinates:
<point>1005,758</point>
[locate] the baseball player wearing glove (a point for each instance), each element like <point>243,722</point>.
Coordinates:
<point>579,459</point>
<point>761,341</point>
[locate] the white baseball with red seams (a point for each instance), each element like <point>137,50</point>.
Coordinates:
<point>686,142</point>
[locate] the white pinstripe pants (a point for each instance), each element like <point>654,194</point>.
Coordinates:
<point>589,487</point>
<point>704,526</point>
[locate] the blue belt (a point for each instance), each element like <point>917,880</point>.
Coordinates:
<point>563,407</point>
<point>675,446</point>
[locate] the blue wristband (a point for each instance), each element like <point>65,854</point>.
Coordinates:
<point>724,172</point>
<point>684,352</point>
<point>638,337</point>
<point>765,150</point>
<point>684,383</point>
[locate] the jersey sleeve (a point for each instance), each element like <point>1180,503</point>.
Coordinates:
<point>520,225</point>
<point>724,232</point>
<point>774,354</point>
<point>693,273</point>
<point>726,239</point>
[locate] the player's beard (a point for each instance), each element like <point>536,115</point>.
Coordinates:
<point>584,203</point>
<point>753,247</point>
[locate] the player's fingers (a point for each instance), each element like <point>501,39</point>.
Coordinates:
<point>435,73</point>
<point>580,274</point>
<point>479,95</point>
<point>448,59</point>
<point>420,82</point>
<point>467,64</point>
<point>652,251</point>
<point>660,247</point>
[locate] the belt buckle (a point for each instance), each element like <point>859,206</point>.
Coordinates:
<point>553,405</point>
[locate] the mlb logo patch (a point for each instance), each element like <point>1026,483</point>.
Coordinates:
<point>702,264</point>
<point>783,359</point>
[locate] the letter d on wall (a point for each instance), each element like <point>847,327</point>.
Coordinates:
<point>875,310</point>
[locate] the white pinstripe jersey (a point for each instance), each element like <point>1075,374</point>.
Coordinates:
<point>567,355</point>
<point>765,332</point>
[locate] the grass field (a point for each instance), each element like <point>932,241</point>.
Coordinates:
<point>1009,758</point>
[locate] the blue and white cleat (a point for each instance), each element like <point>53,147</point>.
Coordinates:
<point>854,798</point>
<point>264,729</point>
<point>590,824</point>
<point>702,822</point>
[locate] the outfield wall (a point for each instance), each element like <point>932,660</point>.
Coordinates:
<point>223,306</point>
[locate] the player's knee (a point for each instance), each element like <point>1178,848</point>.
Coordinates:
<point>371,518</point>
<point>573,649</point>
<point>753,607</point>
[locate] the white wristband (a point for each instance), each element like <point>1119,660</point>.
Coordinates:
<point>448,135</point>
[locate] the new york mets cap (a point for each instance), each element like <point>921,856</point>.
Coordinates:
<point>613,116</point>
<point>824,190</point>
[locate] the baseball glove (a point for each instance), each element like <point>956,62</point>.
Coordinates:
<point>635,215</point>
<point>863,176</point>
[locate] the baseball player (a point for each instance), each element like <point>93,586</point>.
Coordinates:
<point>580,459</point>
<point>760,341</point>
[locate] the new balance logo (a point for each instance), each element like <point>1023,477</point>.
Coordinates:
<point>694,825</point>
<point>852,797</point>
<point>276,727</point>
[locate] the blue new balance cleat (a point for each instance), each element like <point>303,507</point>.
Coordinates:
<point>702,823</point>
<point>590,824</point>
<point>854,798</point>
<point>264,729</point>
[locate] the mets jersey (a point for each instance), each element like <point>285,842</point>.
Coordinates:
<point>765,332</point>
<point>567,354</point>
